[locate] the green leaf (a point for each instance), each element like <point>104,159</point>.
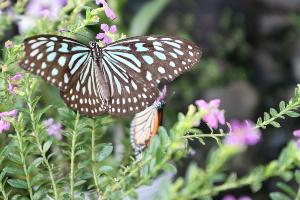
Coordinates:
<point>105,169</point>
<point>281,105</point>
<point>275,124</point>
<point>16,183</point>
<point>104,152</point>
<point>273,112</point>
<point>47,145</point>
<point>297,176</point>
<point>14,171</point>
<point>287,189</point>
<point>266,116</point>
<point>292,114</point>
<point>279,196</point>
<point>14,158</point>
<point>145,16</point>
<point>78,183</point>
<point>170,168</point>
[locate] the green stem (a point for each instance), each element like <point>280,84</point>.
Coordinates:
<point>293,105</point>
<point>298,194</point>
<point>94,160</point>
<point>73,150</point>
<point>20,142</point>
<point>5,196</point>
<point>38,141</point>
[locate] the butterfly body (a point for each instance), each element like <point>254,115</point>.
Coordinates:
<point>119,79</point>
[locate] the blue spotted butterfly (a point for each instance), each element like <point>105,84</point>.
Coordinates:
<point>120,78</point>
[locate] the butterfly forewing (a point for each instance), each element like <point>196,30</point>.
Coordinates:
<point>152,58</point>
<point>54,58</point>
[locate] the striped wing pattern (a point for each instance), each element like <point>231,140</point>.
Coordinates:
<point>119,79</point>
<point>134,67</point>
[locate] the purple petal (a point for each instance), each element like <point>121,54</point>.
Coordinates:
<point>113,29</point>
<point>110,13</point>
<point>202,104</point>
<point>104,27</point>
<point>100,36</point>
<point>4,125</point>
<point>229,197</point>
<point>221,118</point>
<point>297,133</point>
<point>107,40</point>
<point>98,2</point>
<point>298,143</point>
<point>215,103</point>
<point>211,121</point>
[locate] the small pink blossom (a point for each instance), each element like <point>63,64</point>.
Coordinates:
<point>213,116</point>
<point>296,133</point>
<point>106,39</point>
<point>8,44</point>
<point>242,134</point>
<point>108,11</point>
<point>13,82</point>
<point>4,123</point>
<point>53,129</point>
<point>231,197</point>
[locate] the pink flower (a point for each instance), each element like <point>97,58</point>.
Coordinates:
<point>13,82</point>
<point>53,129</point>
<point>4,123</point>
<point>106,39</point>
<point>108,11</point>
<point>242,134</point>
<point>213,116</point>
<point>231,197</point>
<point>296,133</point>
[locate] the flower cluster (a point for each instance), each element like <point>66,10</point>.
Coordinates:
<point>105,36</point>
<point>4,122</point>
<point>53,129</point>
<point>242,134</point>
<point>296,133</point>
<point>13,82</point>
<point>8,44</point>
<point>45,8</point>
<point>212,114</point>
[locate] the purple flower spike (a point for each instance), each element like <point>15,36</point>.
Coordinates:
<point>108,11</point>
<point>242,134</point>
<point>213,116</point>
<point>53,129</point>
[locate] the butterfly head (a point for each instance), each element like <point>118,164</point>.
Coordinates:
<point>93,44</point>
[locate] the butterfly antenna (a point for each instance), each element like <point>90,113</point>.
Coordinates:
<point>72,32</point>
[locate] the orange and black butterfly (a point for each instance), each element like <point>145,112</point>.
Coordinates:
<point>145,124</point>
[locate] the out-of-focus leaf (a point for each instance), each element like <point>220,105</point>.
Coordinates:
<point>279,196</point>
<point>16,183</point>
<point>146,15</point>
<point>104,152</point>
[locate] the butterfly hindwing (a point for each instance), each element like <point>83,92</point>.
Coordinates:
<point>83,93</point>
<point>54,58</point>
